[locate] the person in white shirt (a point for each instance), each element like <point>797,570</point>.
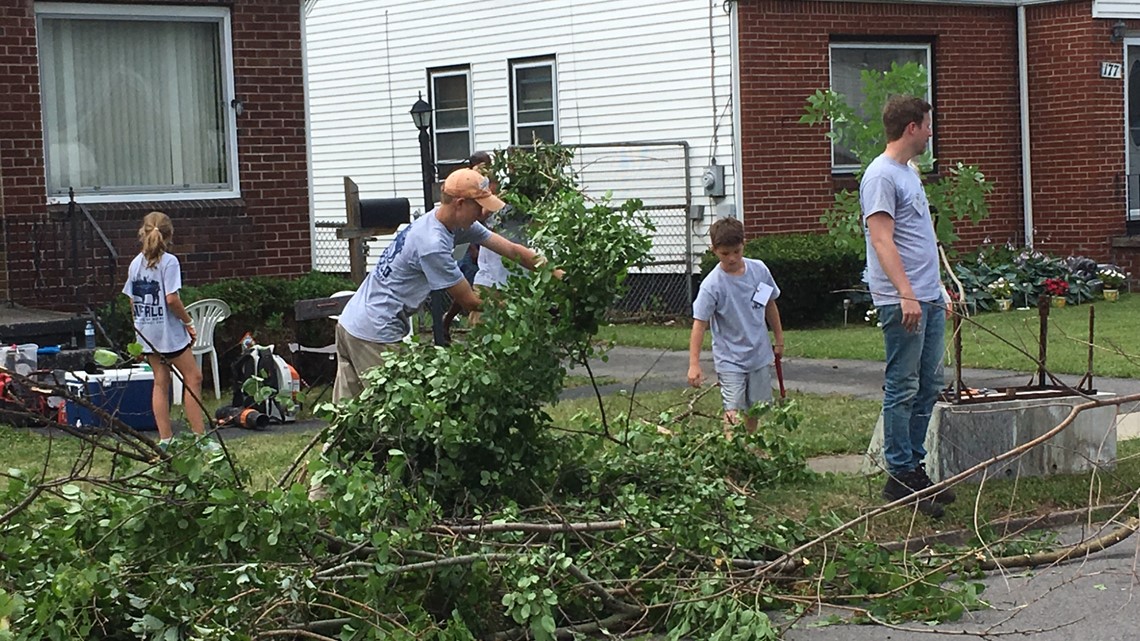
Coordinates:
<point>161,322</point>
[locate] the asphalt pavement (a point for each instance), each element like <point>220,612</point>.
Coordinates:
<point>1091,598</point>
<point>655,370</point>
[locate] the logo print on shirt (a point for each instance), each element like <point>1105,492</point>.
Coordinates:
<point>384,265</point>
<point>147,300</point>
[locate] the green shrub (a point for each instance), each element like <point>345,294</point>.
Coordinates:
<point>1027,270</point>
<point>810,270</point>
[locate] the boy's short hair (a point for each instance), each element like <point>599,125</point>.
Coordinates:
<point>726,232</point>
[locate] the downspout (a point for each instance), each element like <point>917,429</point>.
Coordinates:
<point>737,148</point>
<point>1023,82</point>
<point>305,7</point>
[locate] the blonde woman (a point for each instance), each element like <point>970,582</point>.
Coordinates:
<point>165,329</point>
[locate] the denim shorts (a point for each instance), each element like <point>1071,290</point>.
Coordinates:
<point>741,391</point>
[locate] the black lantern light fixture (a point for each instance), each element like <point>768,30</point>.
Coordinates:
<point>1118,30</point>
<point>421,113</point>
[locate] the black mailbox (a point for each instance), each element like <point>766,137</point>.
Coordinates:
<point>384,212</point>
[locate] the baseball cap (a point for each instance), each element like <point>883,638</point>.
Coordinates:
<point>470,184</point>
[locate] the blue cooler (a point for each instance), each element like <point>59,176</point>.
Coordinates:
<point>122,393</point>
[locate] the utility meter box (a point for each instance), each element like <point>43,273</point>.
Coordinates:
<point>713,181</point>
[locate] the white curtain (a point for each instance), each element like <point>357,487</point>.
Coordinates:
<point>132,106</point>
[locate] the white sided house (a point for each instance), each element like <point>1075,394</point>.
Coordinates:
<point>641,88</point>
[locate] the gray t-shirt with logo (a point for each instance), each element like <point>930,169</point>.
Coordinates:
<point>418,261</point>
<point>147,288</point>
<point>896,190</point>
<point>732,306</point>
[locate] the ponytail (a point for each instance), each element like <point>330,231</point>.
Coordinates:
<point>155,234</point>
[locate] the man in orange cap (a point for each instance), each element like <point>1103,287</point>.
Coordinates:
<point>420,259</point>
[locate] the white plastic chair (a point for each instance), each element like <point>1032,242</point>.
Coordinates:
<point>206,314</point>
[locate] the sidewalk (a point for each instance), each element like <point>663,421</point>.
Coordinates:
<point>666,369</point>
<point>654,370</point>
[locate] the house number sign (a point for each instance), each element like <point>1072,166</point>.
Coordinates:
<point>1113,70</point>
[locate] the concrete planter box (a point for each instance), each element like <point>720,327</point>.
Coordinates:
<point>961,436</point>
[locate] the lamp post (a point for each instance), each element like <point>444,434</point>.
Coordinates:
<point>421,116</point>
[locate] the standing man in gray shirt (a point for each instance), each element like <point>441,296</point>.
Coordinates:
<point>902,271</point>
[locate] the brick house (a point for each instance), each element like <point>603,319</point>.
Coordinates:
<point>195,108</point>
<point>1083,161</point>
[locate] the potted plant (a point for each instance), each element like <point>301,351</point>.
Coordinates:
<point>1058,289</point>
<point>1111,281</point>
<point>1002,291</point>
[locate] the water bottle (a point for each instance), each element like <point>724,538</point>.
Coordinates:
<point>89,335</point>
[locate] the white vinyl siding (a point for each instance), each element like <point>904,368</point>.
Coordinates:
<point>1116,9</point>
<point>136,102</point>
<point>626,70</point>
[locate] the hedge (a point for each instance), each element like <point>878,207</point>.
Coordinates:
<point>812,273</point>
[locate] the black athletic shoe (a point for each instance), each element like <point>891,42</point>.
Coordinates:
<point>899,488</point>
<point>922,481</point>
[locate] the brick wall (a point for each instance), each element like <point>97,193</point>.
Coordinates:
<point>1077,119</point>
<point>784,57</point>
<point>265,232</point>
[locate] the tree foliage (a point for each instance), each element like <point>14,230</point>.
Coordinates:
<point>959,193</point>
<point>452,508</point>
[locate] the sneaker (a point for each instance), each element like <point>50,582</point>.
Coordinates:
<point>899,488</point>
<point>209,445</point>
<point>164,444</point>
<point>922,481</point>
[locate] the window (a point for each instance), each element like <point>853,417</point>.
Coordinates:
<point>451,103</point>
<point>533,108</point>
<point>848,59</point>
<point>136,102</point>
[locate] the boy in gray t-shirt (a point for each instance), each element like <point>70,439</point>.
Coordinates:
<point>738,300</point>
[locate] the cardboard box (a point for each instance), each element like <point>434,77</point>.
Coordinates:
<point>122,393</point>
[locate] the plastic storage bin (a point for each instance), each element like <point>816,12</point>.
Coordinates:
<point>122,393</point>
<point>19,358</point>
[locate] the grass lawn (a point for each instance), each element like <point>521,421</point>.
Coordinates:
<point>830,425</point>
<point>1117,351</point>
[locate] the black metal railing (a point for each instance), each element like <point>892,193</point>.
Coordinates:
<point>94,260</point>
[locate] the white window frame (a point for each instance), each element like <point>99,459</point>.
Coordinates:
<point>447,72</point>
<point>217,15</point>
<point>531,63</point>
<point>925,46</point>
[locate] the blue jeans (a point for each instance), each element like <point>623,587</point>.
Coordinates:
<point>913,380</point>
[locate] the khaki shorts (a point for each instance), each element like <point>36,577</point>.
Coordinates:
<point>354,357</point>
<point>740,391</point>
